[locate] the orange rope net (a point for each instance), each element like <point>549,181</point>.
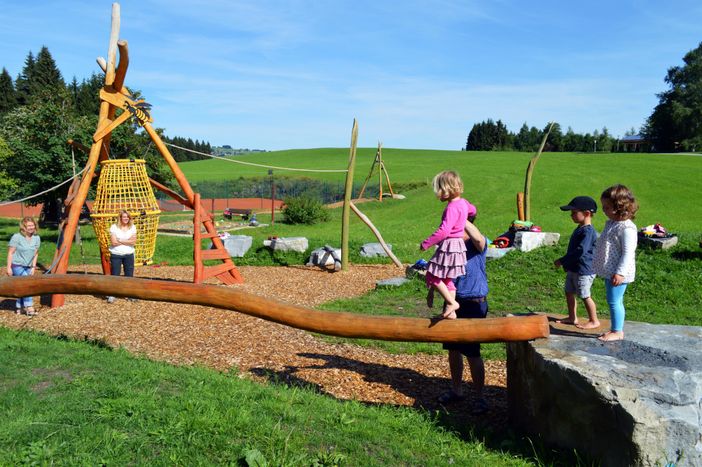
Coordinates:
<point>124,185</point>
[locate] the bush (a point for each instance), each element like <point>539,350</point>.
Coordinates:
<point>304,210</point>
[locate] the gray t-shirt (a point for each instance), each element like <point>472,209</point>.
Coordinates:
<point>25,249</point>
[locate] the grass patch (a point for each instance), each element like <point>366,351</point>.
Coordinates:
<point>82,404</point>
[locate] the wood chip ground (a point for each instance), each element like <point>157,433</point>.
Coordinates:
<point>262,350</point>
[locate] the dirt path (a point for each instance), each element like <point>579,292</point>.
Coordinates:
<point>221,339</point>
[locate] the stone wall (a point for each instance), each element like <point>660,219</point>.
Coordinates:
<point>632,402</point>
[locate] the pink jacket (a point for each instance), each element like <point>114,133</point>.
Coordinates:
<point>453,222</point>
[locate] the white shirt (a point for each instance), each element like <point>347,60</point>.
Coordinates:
<point>615,250</point>
<point>122,235</point>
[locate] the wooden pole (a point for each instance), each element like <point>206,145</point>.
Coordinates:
<point>516,328</point>
<point>348,189</point>
<point>380,171</point>
<point>520,206</point>
<point>197,241</point>
<point>530,170</point>
<point>376,232</point>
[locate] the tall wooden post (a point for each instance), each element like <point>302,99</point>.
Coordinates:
<point>348,188</point>
<point>530,170</point>
<point>82,193</point>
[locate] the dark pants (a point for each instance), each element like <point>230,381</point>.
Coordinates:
<point>469,308</point>
<point>117,261</point>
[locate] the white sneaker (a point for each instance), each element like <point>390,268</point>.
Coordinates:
<point>110,299</point>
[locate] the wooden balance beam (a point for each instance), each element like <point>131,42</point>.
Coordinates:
<point>517,328</point>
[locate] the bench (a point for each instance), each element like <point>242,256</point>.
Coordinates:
<point>228,213</point>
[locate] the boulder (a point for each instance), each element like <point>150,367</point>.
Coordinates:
<point>631,402</point>
<point>662,243</point>
<point>497,253</point>
<point>392,282</point>
<point>325,256</point>
<point>527,241</point>
<point>237,245</point>
<point>371,250</point>
<point>299,244</point>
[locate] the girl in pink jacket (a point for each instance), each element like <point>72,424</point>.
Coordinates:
<point>449,259</point>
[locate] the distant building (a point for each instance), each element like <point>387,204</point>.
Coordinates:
<point>633,143</point>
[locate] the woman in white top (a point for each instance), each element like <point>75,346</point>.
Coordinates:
<point>123,236</point>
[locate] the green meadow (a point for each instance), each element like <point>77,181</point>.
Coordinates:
<point>195,416</point>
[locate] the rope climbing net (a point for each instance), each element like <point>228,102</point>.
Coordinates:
<point>124,185</point>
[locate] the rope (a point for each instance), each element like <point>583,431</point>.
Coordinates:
<point>255,165</point>
<point>45,191</point>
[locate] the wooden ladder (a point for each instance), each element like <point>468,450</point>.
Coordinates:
<point>225,272</point>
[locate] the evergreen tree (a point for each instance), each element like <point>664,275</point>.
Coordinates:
<point>676,122</point>
<point>46,75</point>
<point>8,97</point>
<point>24,79</point>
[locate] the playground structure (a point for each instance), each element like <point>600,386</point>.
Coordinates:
<point>380,165</point>
<point>516,328</point>
<point>124,185</point>
<point>114,96</point>
<point>524,198</point>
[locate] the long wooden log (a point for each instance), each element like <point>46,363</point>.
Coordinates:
<point>326,322</point>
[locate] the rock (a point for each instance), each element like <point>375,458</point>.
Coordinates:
<point>658,242</point>
<point>237,245</point>
<point>299,244</point>
<point>398,196</point>
<point>527,241</point>
<point>497,253</point>
<point>392,282</point>
<point>325,256</point>
<point>631,402</point>
<point>371,250</point>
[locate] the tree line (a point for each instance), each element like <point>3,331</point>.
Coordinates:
<point>674,125</point>
<point>494,136</point>
<point>39,113</point>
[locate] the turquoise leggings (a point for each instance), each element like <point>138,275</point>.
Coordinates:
<point>615,300</point>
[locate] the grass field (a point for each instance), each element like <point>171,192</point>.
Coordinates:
<point>666,291</point>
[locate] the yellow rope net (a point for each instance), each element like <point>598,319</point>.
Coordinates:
<point>124,185</point>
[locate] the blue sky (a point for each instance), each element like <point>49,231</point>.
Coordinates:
<point>415,74</point>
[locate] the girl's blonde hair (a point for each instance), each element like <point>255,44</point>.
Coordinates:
<point>447,184</point>
<point>23,225</point>
<point>119,219</point>
<point>623,202</point>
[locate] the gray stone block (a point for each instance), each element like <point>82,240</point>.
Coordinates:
<point>237,245</point>
<point>658,243</point>
<point>527,241</point>
<point>497,253</point>
<point>392,282</point>
<point>299,244</point>
<point>325,256</point>
<point>631,402</point>
<point>371,250</point>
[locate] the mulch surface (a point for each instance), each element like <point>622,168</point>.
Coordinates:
<point>262,350</point>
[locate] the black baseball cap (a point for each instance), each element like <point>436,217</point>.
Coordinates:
<point>581,203</point>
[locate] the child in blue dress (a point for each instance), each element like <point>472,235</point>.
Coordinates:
<point>449,259</point>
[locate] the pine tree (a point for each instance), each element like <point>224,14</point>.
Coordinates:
<point>22,83</point>
<point>46,75</point>
<point>8,96</point>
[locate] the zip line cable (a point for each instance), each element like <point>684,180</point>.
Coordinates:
<point>43,192</point>
<point>255,165</point>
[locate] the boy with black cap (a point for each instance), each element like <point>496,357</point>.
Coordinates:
<point>577,261</point>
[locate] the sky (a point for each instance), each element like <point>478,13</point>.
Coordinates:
<point>267,74</point>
